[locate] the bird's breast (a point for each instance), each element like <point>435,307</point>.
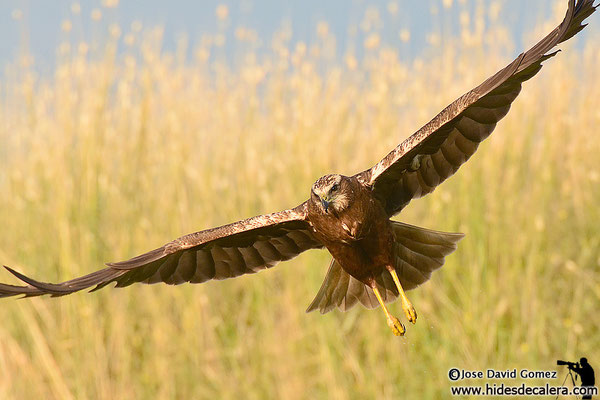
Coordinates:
<point>360,238</point>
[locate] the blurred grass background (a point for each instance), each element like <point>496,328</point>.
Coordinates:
<point>119,152</point>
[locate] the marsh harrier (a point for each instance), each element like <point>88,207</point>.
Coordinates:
<point>375,259</point>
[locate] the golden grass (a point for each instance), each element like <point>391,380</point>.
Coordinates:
<point>117,154</point>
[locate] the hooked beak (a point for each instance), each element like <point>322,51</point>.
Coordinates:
<point>325,204</point>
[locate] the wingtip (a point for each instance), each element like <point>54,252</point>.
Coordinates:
<point>44,288</point>
<point>15,273</point>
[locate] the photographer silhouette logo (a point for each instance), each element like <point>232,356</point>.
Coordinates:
<point>584,371</point>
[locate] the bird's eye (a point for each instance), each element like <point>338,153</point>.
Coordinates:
<point>334,187</point>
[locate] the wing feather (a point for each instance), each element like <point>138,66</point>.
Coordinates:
<point>436,151</point>
<point>243,247</point>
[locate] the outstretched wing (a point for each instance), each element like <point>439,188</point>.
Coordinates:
<point>243,247</point>
<point>438,149</point>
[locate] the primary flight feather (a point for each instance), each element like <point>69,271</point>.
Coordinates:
<point>374,259</point>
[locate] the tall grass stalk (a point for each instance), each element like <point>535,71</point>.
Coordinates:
<point>117,153</point>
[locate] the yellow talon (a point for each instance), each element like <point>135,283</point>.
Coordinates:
<point>410,311</point>
<point>407,306</point>
<point>397,327</point>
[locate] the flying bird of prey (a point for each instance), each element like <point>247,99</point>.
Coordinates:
<point>375,260</point>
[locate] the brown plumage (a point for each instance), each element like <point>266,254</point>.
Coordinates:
<point>350,216</point>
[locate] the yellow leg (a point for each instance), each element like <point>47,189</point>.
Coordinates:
<point>392,321</point>
<point>407,306</point>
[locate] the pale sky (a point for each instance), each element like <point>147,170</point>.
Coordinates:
<point>36,24</point>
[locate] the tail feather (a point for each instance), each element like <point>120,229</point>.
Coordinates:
<point>418,252</point>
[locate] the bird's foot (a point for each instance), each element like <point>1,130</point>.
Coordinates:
<point>397,327</point>
<point>407,306</point>
<point>410,311</point>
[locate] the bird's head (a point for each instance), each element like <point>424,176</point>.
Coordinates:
<point>332,192</point>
